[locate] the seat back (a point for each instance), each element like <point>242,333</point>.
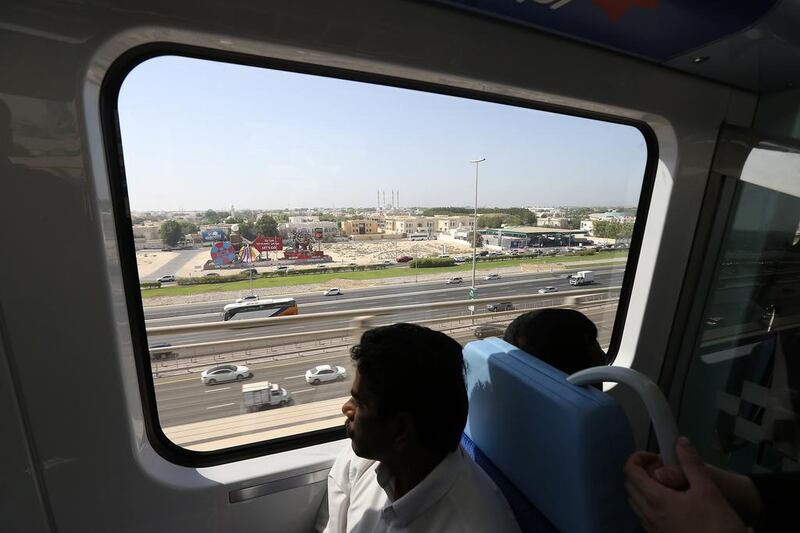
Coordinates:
<point>561,446</point>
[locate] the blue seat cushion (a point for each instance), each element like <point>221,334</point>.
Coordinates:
<point>529,518</point>
<point>561,446</point>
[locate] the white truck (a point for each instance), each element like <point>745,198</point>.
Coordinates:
<point>584,277</point>
<point>264,394</point>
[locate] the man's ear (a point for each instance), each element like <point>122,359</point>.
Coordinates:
<point>404,431</point>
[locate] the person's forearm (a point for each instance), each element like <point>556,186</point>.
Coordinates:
<point>741,493</point>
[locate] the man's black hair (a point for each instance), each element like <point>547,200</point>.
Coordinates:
<point>413,369</point>
<point>563,338</point>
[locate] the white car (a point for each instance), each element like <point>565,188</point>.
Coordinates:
<point>247,298</point>
<point>545,290</point>
<point>223,373</point>
<point>387,262</point>
<point>322,373</point>
<point>166,279</point>
<point>490,277</point>
<point>454,280</point>
<point>332,292</point>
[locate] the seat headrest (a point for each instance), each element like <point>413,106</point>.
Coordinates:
<point>561,445</point>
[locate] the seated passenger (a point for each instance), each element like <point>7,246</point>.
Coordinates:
<point>404,470</point>
<point>563,338</point>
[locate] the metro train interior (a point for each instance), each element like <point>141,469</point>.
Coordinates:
<point>122,396</point>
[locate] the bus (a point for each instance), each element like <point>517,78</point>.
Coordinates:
<point>113,120</point>
<point>260,309</point>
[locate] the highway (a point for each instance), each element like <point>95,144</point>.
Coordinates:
<point>204,311</point>
<point>184,399</point>
<point>375,297</point>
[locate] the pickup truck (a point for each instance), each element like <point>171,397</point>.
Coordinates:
<point>258,396</point>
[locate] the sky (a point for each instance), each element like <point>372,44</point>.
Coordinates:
<point>202,135</point>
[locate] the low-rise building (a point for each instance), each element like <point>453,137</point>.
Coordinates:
<point>318,229</point>
<point>361,226</point>
<point>147,236</point>
<point>553,222</point>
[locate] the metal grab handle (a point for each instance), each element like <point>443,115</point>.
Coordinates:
<point>654,401</point>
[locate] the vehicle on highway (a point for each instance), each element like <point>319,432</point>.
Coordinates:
<point>161,354</point>
<point>247,298</point>
<point>404,258</point>
<point>166,279</point>
<point>322,373</point>
<point>488,330</point>
<point>545,290</point>
<point>332,292</point>
<point>262,394</point>
<point>502,306</point>
<point>584,277</point>
<point>454,280</point>
<point>268,307</point>
<point>224,373</point>
<point>490,277</point>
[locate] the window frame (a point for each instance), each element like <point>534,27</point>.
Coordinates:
<point>115,167</point>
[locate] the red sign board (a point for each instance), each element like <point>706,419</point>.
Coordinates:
<point>268,244</point>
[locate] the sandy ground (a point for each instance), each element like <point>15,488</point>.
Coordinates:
<point>365,252</point>
<point>148,261</point>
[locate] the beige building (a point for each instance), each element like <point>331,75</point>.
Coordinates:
<point>428,225</point>
<point>445,223</point>
<point>147,236</point>
<point>361,226</point>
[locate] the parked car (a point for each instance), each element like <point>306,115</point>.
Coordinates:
<point>387,262</point>
<point>404,258</point>
<point>212,274</point>
<point>483,253</point>
<point>322,266</point>
<point>167,279</point>
<point>546,290</point>
<point>248,271</point>
<point>322,373</point>
<point>488,330</point>
<point>502,306</point>
<point>161,355</point>
<point>223,373</point>
<point>490,277</point>
<point>282,268</point>
<point>454,280</point>
<point>247,298</point>
<point>460,259</point>
<point>332,292</point>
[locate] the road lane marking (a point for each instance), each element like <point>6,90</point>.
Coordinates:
<point>223,405</point>
<point>217,390</point>
<point>301,390</point>
<point>293,377</point>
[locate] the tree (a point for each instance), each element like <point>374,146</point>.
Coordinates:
<point>247,230</point>
<point>188,227</point>
<point>490,221</point>
<point>171,232</point>
<point>266,226</point>
<point>478,239</point>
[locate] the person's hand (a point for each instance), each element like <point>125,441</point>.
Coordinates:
<point>701,507</point>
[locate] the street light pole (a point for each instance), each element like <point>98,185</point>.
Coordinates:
<point>477,163</point>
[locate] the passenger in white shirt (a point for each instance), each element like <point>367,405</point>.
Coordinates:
<point>404,471</point>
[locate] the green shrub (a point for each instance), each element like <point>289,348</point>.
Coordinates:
<point>432,262</point>
<point>150,285</point>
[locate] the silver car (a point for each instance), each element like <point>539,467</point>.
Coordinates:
<point>223,373</point>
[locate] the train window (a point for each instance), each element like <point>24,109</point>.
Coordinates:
<point>269,209</point>
<point>740,399</point>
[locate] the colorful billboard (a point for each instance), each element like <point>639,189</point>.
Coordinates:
<point>213,234</point>
<point>268,244</point>
<point>222,253</point>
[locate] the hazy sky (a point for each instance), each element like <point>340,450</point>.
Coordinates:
<point>201,134</point>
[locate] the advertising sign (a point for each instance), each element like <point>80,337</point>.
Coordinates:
<point>268,244</point>
<point>213,234</point>
<point>318,233</point>
<point>222,253</point>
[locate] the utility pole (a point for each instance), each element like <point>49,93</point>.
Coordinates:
<point>477,163</point>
